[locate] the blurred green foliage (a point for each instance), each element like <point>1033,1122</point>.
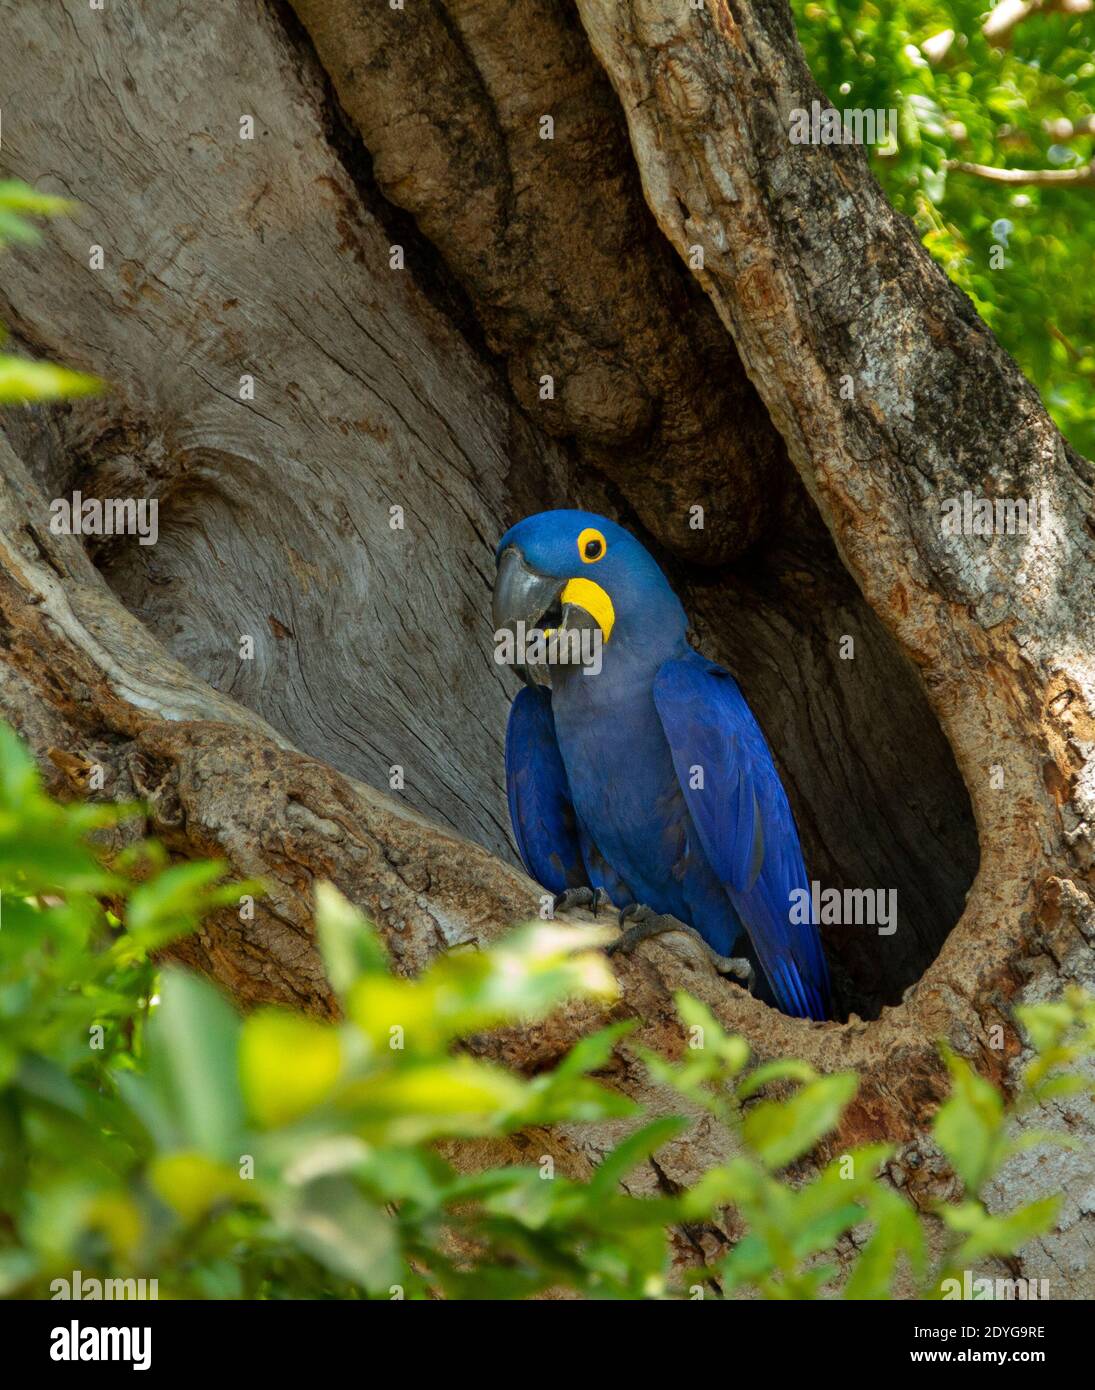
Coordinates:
<point>1024,99</point>
<point>146,1130</point>
<point>22,381</point>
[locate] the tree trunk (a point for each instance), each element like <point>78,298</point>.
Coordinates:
<point>970,698</point>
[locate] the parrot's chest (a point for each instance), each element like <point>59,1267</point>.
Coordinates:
<point>624,786</point>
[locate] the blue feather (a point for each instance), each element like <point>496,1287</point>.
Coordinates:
<point>744,823</point>
<point>540,807</point>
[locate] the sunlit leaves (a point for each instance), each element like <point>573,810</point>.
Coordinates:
<point>350,945</point>
<point>1024,103</point>
<point>192,1182</point>
<point>312,1139</point>
<point>706,1034</point>
<point>627,1155</point>
<point>25,382</point>
<point>985,1234</point>
<point>19,203</point>
<point>288,1065</point>
<point>409,1104</point>
<point>465,991</point>
<point>787,1069</point>
<point>969,1125</point>
<point>781,1131</point>
<point>1062,1032</point>
<point>173,903</point>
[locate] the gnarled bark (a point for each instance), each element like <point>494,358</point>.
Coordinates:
<point>546,230</point>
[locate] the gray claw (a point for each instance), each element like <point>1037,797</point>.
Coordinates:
<point>647,923</point>
<point>593,898</point>
<point>738,967</point>
<point>650,923</point>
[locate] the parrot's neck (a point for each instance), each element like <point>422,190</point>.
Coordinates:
<point>628,669</point>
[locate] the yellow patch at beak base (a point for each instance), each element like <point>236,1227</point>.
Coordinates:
<point>585,594</point>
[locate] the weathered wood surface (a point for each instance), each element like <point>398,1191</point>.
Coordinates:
<point>226,257</point>
<point>546,230</point>
<point>90,687</point>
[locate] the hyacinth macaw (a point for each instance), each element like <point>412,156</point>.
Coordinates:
<point>648,784</point>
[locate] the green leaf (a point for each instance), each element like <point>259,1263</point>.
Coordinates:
<point>750,1260</point>
<point>741,1182</point>
<point>17,229</point>
<point>17,1267</point>
<point>764,1075</point>
<point>193,1063</point>
<point>192,1183</point>
<point>348,942</point>
<point>170,893</point>
<point>522,976</point>
<point>634,1150</point>
<point>288,1065</point>
<point>16,196</point>
<point>150,1109</point>
<point>455,1097</point>
<point>48,1082</point>
<point>897,1231</point>
<point>998,1235</point>
<point>1046,1023</point>
<point>710,1035</point>
<point>19,778</point>
<point>824,1231</point>
<point>352,1237</point>
<point>781,1131</point>
<point>404,1174</point>
<point>968,1127</point>
<point>23,382</point>
<point>593,1052</point>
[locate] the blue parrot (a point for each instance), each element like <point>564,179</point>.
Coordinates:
<point>646,782</point>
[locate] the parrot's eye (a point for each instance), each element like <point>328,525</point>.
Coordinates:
<point>591,545</point>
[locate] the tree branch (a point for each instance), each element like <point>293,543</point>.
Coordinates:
<point>1005,17</point>
<point>1082,176</point>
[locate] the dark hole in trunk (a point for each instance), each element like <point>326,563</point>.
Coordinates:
<point>882,810</point>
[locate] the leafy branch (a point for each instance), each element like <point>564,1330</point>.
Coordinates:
<point>22,381</point>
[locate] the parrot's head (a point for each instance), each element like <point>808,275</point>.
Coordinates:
<point>575,572</point>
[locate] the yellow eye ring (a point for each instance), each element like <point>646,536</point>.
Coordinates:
<point>591,545</point>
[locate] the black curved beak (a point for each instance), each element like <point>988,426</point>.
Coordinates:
<point>521,596</point>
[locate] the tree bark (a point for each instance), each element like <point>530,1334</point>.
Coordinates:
<point>375,388</point>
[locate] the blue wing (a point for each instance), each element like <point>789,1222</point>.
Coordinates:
<point>540,808</point>
<point>744,822</point>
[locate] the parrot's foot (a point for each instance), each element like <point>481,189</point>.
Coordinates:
<point>593,898</point>
<point>650,923</point>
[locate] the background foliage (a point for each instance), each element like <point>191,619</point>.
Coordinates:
<point>1022,99</point>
